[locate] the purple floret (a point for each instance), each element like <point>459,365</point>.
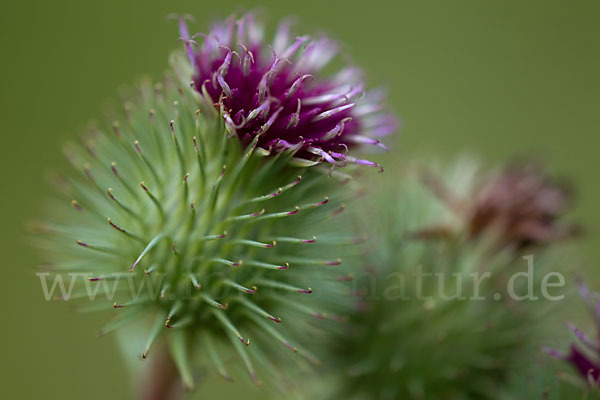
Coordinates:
<point>586,362</point>
<point>583,364</point>
<point>279,92</point>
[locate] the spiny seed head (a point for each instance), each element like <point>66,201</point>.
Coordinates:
<point>206,237</point>
<point>280,91</point>
<point>520,204</point>
<point>434,317</point>
<point>525,203</point>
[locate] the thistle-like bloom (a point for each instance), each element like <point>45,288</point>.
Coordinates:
<point>210,237</point>
<point>432,318</point>
<point>280,93</point>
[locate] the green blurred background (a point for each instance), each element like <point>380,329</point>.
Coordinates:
<point>496,78</point>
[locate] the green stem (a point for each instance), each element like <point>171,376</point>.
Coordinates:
<point>161,381</point>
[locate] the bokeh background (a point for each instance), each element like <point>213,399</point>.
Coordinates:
<point>494,78</point>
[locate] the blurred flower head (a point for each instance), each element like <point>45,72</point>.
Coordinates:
<point>420,327</point>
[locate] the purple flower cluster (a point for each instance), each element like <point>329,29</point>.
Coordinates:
<point>585,356</point>
<point>279,93</point>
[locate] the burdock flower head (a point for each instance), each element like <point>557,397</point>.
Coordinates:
<point>436,319</point>
<point>280,95</point>
<point>201,211</point>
